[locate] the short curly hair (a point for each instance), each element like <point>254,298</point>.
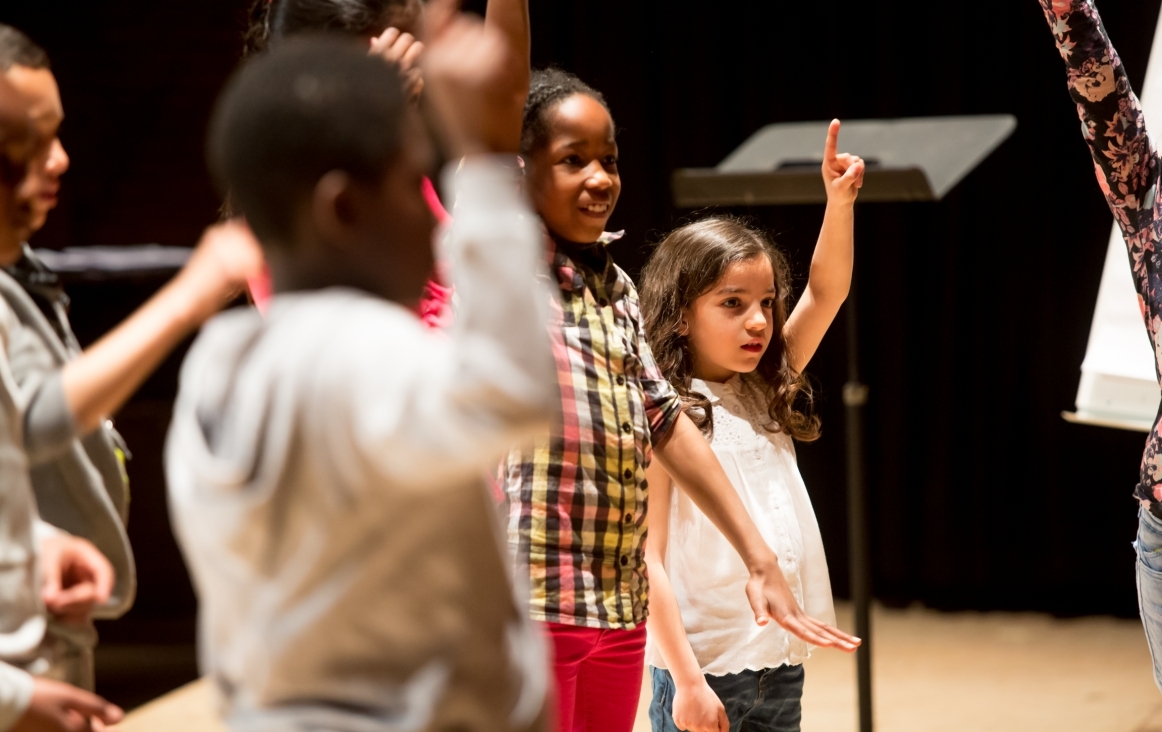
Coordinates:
<point>287,117</point>
<point>17,49</point>
<point>547,89</point>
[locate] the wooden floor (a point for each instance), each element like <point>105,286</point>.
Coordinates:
<point>934,672</point>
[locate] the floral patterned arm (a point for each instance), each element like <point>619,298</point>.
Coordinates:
<point>1113,125</point>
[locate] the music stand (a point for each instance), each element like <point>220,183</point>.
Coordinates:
<point>918,159</point>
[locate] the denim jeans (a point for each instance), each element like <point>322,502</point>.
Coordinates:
<point>756,701</point>
<point>1149,546</point>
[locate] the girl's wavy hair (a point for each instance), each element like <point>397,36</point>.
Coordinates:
<point>685,266</point>
<point>270,20</point>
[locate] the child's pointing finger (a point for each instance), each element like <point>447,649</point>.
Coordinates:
<point>832,145</point>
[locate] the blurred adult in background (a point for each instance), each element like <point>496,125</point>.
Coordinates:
<point>76,457</point>
<point>324,463</point>
<point>40,562</point>
<point>80,484</point>
<point>15,152</point>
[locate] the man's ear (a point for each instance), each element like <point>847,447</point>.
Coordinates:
<point>333,206</point>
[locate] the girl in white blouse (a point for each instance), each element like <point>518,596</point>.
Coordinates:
<point>714,299</point>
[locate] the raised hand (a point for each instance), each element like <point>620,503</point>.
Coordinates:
<point>77,577</point>
<point>466,70</point>
<point>771,599</point>
<point>59,707</point>
<point>698,709</point>
<point>227,256</point>
<point>842,173</point>
<point>403,50</point>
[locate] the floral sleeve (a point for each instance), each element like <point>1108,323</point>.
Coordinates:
<point>1127,169</point>
<point>1113,126</point>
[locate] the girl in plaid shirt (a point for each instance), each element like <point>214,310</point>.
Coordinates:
<point>578,495</point>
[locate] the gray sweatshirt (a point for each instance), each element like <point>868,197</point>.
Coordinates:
<point>324,468</point>
<point>24,648</point>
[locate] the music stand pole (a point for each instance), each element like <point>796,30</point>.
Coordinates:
<point>859,550</point>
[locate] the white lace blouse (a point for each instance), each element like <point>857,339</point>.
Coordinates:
<point>709,578</point>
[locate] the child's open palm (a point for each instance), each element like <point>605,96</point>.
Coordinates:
<point>842,172</point>
<point>771,598</point>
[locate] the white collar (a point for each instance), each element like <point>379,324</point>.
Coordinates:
<point>714,390</point>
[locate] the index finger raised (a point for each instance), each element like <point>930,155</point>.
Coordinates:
<point>832,145</point>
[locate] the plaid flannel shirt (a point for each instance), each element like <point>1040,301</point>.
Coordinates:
<point>577,497</point>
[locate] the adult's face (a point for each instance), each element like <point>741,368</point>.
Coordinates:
<point>39,190</point>
<point>17,140</point>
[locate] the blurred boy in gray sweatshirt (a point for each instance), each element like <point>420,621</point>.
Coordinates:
<point>325,463</point>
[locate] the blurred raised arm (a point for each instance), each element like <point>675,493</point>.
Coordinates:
<point>511,19</point>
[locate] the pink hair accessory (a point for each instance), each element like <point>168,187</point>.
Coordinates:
<point>434,203</point>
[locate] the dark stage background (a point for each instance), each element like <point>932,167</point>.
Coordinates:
<point>975,310</point>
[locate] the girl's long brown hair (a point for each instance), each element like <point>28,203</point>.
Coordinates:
<point>685,266</point>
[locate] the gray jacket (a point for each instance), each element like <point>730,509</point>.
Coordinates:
<point>25,647</point>
<point>79,482</point>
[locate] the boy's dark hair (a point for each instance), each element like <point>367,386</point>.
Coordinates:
<point>288,117</point>
<point>548,88</point>
<point>273,20</point>
<point>17,49</point>
<point>686,265</point>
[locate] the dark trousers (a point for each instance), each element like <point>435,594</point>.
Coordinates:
<point>756,701</point>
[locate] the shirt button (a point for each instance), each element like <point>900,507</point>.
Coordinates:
<point>628,474</point>
<point>625,561</point>
<point>603,302</point>
<point>621,381</point>
<point>626,427</point>
<point>628,520</point>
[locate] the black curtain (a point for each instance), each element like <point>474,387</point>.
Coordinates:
<point>974,311</point>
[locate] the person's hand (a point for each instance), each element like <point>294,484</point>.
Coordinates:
<point>59,707</point>
<point>77,577</point>
<point>698,709</point>
<point>227,256</point>
<point>842,173</point>
<point>403,50</point>
<point>467,86</point>
<point>771,598</point>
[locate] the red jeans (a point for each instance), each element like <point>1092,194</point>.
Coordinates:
<point>599,677</point>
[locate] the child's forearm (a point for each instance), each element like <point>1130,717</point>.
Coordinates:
<point>687,457</point>
<point>667,629</point>
<point>511,19</point>
<point>665,621</point>
<point>107,374</point>
<point>830,279</point>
